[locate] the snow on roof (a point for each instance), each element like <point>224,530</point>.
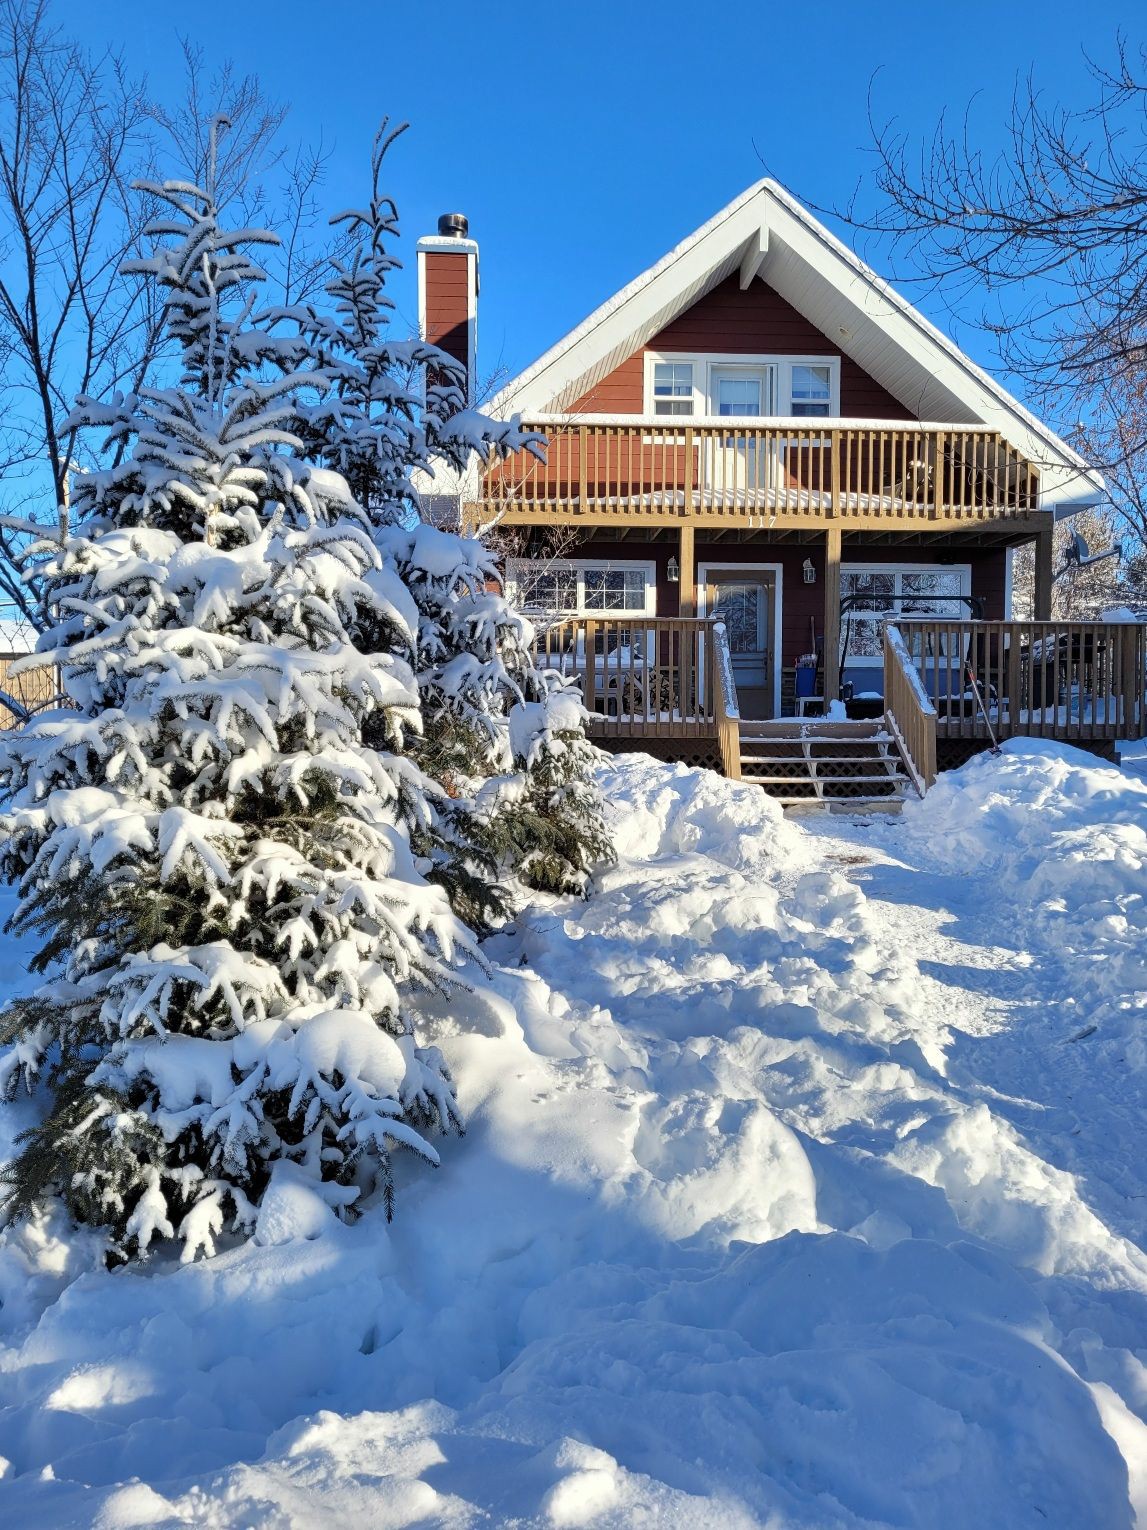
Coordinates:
<point>766,232</point>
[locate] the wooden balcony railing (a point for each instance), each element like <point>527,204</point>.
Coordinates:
<point>908,713</point>
<point>1077,681</point>
<point>641,674</point>
<point>660,468</point>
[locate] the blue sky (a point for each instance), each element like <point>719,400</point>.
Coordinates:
<point>584,140</point>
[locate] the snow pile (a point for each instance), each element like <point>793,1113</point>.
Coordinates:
<point>1064,836</point>
<point>771,1211</point>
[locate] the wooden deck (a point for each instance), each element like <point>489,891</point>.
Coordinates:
<point>667,684</point>
<point>655,469</point>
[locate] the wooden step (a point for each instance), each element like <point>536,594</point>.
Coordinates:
<point>826,759</point>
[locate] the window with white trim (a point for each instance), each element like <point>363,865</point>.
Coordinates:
<point>886,590</point>
<point>810,389</point>
<point>582,587</point>
<point>673,387</point>
<point>701,384</point>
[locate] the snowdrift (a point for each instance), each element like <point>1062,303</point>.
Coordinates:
<point>772,1210</point>
<point>1063,838</point>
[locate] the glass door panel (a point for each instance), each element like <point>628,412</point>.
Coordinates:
<point>745,603</point>
<point>741,469</point>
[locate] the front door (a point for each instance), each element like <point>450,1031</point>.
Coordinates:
<point>745,600</point>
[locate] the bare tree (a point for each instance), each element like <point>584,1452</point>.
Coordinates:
<point>1114,434</point>
<point>70,126</point>
<point>1079,592</point>
<point>1052,231</point>
<point>76,131</point>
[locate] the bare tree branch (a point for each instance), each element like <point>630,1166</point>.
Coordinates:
<point>1049,237</point>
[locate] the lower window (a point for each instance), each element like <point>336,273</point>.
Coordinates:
<point>881,592</point>
<point>582,588</point>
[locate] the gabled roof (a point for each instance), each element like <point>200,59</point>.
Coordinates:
<point>766,234</point>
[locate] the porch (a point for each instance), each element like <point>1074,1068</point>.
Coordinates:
<point>792,505</point>
<point>668,685</point>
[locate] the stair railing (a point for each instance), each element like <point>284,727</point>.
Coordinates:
<point>726,711</point>
<point>908,713</point>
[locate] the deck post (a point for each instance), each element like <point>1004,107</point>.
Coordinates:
<point>1044,558</point>
<point>832,615</point>
<point>686,589</point>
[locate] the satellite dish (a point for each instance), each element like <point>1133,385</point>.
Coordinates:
<point>1077,554</point>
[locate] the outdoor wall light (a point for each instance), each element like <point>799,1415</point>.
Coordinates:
<point>673,571</point>
<point>809,572</point>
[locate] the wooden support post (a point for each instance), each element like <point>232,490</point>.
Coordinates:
<point>686,589</point>
<point>832,615</point>
<point>1044,555</point>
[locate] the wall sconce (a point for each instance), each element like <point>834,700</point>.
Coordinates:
<point>809,572</point>
<point>673,571</point>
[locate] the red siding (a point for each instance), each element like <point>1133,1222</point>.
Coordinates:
<point>801,602</point>
<point>756,322</point>
<point>447,302</point>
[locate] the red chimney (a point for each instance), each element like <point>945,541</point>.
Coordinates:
<point>448,293</point>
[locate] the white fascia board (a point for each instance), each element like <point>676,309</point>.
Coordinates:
<point>636,303</point>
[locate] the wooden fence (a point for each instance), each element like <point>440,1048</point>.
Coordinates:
<point>33,689</point>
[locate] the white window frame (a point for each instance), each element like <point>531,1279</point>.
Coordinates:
<point>866,661</point>
<point>580,567</point>
<point>683,361</point>
<point>780,366</point>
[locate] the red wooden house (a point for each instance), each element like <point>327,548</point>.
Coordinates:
<point>758,428</point>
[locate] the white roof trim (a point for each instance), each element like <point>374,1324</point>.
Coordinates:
<point>767,227</point>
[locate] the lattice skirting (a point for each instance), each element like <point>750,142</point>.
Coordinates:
<point>951,753</point>
<point>699,750</point>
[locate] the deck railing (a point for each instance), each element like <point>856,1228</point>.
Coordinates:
<point>639,674</point>
<point>908,713</point>
<point>1082,681</point>
<point>653,466</point>
<point>726,709</point>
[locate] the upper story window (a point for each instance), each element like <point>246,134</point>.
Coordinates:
<point>673,387</point>
<point>743,385</point>
<point>811,389</point>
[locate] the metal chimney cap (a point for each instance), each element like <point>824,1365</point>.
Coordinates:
<point>453,225</point>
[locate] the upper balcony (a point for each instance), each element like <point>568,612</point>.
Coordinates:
<point>749,472</point>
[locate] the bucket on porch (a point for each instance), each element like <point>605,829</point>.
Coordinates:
<point>806,675</point>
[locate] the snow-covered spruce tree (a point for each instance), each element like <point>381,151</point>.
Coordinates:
<point>391,408</point>
<point>235,929</point>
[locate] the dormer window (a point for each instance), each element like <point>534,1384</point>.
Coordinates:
<point>673,387</point>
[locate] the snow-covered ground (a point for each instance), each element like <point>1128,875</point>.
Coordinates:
<point>805,1184</point>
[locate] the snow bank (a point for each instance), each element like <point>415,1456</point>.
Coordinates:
<point>1064,836</point>
<point>736,1236</point>
<point>659,810</point>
